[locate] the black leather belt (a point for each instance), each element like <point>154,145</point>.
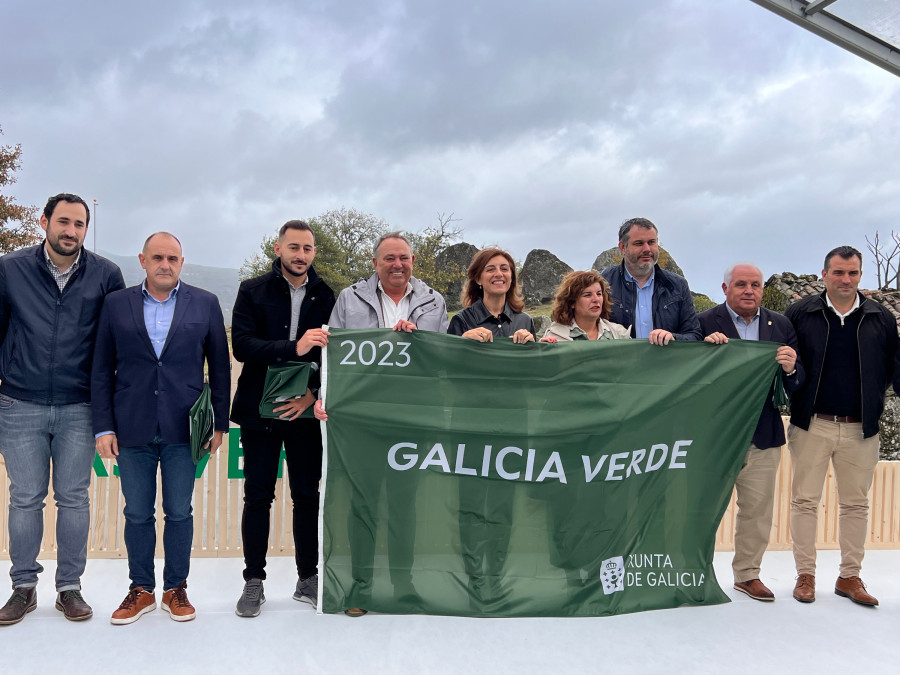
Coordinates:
<point>838,419</point>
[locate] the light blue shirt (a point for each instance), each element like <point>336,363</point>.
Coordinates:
<point>747,331</point>
<point>158,316</point>
<point>643,305</point>
<point>158,319</point>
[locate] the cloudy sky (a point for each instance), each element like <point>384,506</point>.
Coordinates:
<point>538,124</point>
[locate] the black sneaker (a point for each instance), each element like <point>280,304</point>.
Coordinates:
<point>22,601</point>
<point>250,603</point>
<point>308,590</point>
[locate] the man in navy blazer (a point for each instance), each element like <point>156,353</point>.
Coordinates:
<point>151,346</point>
<point>742,317</point>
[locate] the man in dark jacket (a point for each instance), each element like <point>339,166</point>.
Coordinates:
<point>656,304</point>
<point>50,299</point>
<point>153,341</point>
<point>848,344</point>
<point>742,317</point>
<point>278,318</point>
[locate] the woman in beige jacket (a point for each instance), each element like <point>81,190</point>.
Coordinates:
<point>581,310</point>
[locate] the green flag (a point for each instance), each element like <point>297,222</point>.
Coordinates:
<point>568,479</point>
<point>284,382</point>
<point>202,422</point>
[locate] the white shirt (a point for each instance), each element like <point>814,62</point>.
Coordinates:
<point>392,312</point>
<point>849,311</point>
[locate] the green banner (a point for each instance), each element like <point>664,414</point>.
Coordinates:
<point>568,479</point>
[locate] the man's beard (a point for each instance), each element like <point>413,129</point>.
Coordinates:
<point>59,250</point>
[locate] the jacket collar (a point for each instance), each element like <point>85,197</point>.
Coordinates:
<point>866,305</point>
<point>660,276</point>
<point>482,314</point>
<point>366,288</point>
<point>312,277</point>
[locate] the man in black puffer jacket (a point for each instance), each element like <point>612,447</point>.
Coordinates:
<point>277,318</point>
<point>50,300</point>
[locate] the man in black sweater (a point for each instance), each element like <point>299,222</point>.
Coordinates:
<point>278,318</point>
<point>848,345</point>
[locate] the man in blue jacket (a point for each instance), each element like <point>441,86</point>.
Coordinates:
<point>50,298</point>
<point>656,304</point>
<point>152,343</point>
<point>742,317</point>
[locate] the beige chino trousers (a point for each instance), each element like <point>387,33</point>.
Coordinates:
<point>755,503</point>
<point>854,459</point>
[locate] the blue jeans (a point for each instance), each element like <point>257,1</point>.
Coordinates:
<point>32,436</point>
<point>137,472</point>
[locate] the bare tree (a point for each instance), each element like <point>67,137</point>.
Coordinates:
<point>887,264</point>
<point>427,246</point>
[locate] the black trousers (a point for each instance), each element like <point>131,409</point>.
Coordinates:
<point>302,440</point>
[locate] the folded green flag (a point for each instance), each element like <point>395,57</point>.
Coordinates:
<point>284,382</point>
<point>202,424</point>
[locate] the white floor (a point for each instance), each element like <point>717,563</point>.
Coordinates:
<point>831,635</point>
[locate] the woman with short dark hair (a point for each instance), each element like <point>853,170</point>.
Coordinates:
<point>581,310</point>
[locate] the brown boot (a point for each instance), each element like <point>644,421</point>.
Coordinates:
<point>73,606</point>
<point>22,601</point>
<point>855,589</point>
<point>805,590</point>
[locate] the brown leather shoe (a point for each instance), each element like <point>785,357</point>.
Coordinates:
<point>855,589</point>
<point>755,589</point>
<point>175,602</point>
<point>137,603</point>
<point>73,606</point>
<point>22,601</point>
<point>805,590</point>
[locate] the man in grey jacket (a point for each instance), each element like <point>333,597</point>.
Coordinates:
<point>390,298</point>
<point>50,299</point>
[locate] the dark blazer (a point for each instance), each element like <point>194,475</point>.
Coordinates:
<point>137,395</point>
<point>260,326</point>
<point>773,327</point>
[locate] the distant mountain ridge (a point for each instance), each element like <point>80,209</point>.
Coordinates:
<point>221,281</point>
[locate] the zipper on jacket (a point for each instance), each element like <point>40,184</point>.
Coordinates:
<point>53,342</point>
<point>862,397</point>
<point>822,365</point>
<point>59,299</point>
<point>420,305</point>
